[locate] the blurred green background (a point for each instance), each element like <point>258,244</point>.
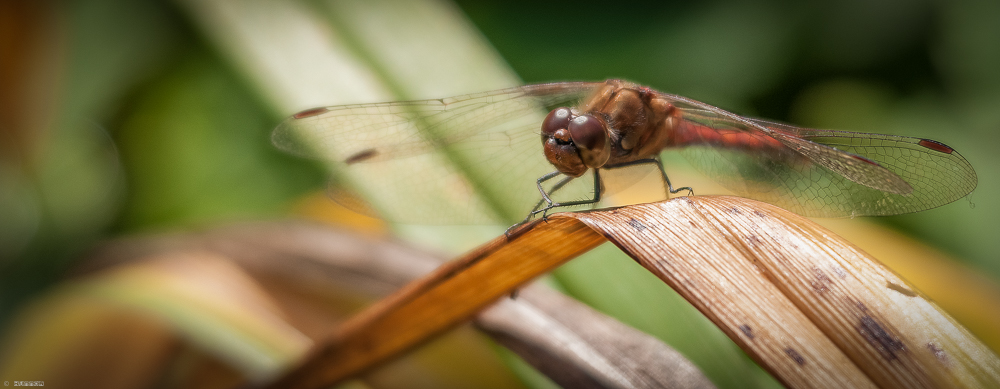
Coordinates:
<point>121,116</point>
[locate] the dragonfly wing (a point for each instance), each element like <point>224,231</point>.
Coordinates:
<point>855,167</point>
<point>937,173</point>
<point>817,172</point>
<point>465,159</point>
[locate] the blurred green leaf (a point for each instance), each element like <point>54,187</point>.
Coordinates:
<point>197,150</point>
<point>107,47</point>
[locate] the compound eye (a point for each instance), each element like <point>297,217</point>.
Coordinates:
<point>557,119</point>
<point>588,133</point>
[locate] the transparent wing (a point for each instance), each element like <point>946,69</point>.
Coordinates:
<point>821,173</point>
<point>465,159</point>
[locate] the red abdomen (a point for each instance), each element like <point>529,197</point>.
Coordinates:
<point>688,133</point>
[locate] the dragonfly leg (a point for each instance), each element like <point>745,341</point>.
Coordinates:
<point>663,174</point>
<point>545,198</point>
<point>545,195</point>
<point>549,204</point>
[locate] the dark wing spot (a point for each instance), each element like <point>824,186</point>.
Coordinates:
<point>901,289</point>
<point>310,112</point>
<point>936,146</point>
<point>747,331</point>
<point>361,156</point>
<point>795,356</point>
<point>636,224</point>
<point>876,335</point>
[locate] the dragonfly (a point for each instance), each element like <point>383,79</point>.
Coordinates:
<point>522,145</point>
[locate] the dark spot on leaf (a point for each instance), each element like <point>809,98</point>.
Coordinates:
<point>877,336</point>
<point>900,288</point>
<point>734,211</point>
<point>753,240</point>
<point>361,156</point>
<point>822,282</point>
<point>747,331</point>
<point>839,272</point>
<point>938,353</point>
<point>795,356</point>
<point>759,214</point>
<point>636,224</point>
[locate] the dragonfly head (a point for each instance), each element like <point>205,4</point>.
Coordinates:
<point>574,143</point>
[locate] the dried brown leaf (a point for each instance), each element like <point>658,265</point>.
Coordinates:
<point>448,296</point>
<point>811,308</point>
<point>777,283</point>
<point>578,347</point>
